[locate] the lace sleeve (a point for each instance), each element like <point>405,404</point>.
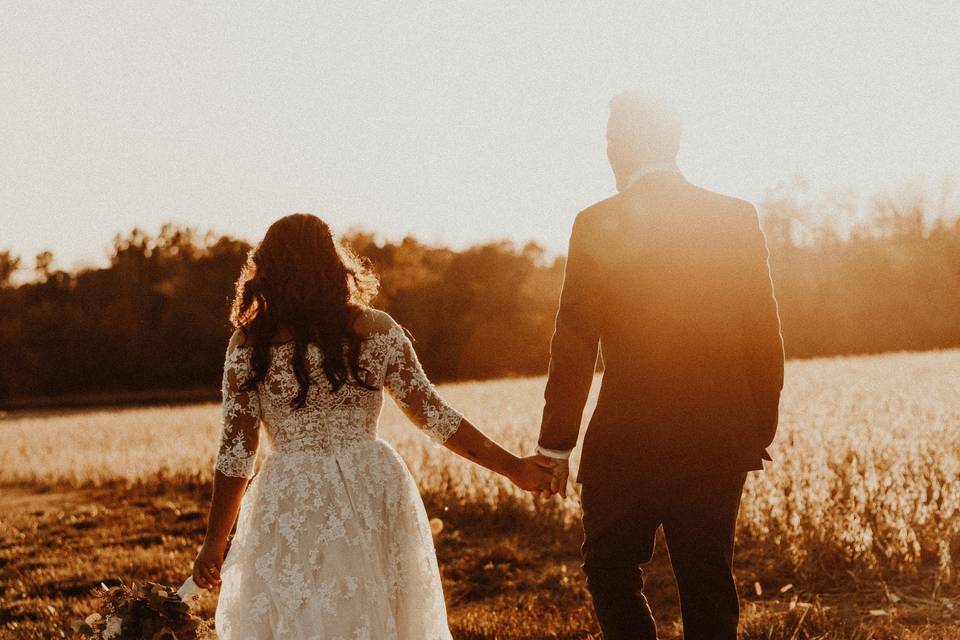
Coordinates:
<point>413,392</point>
<point>241,419</point>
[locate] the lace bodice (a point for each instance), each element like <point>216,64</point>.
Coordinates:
<point>329,420</point>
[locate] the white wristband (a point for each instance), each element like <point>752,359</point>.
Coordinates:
<point>554,453</point>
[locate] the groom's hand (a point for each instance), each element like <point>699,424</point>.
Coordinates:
<point>530,476</point>
<point>559,470</point>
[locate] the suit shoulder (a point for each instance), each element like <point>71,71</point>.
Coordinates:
<point>598,214</point>
<point>740,213</point>
<point>724,201</point>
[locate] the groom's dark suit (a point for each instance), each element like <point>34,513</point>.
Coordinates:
<point>671,282</point>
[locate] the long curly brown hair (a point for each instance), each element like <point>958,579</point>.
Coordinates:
<point>299,278</point>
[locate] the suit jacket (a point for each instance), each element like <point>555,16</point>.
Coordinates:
<point>672,283</point>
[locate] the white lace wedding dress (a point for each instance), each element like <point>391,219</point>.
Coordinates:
<point>332,539</point>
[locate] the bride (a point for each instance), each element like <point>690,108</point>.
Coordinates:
<point>332,539</point>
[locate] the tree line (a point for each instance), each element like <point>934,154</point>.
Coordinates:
<point>154,321</point>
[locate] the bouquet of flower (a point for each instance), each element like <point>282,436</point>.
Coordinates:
<point>149,611</point>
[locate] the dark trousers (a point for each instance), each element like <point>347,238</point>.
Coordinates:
<point>698,516</point>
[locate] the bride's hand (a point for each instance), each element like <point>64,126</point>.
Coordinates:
<point>206,568</point>
<point>530,476</point>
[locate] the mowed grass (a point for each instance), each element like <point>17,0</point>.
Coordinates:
<point>853,529</point>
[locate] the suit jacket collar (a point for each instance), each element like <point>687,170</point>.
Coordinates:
<point>647,169</point>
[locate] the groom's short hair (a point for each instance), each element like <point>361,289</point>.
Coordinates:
<point>646,123</point>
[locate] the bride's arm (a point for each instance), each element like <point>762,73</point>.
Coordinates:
<point>235,461</point>
<point>419,400</point>
<point>224,507</point>
<point>472,444</point>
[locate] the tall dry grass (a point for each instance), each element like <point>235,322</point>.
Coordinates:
<point>866,478</point>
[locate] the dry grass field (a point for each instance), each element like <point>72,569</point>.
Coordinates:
<point>853,531</point>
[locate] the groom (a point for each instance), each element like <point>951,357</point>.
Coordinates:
<point>671,282</point>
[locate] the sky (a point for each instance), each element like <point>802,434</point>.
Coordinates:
<point>454,122</point>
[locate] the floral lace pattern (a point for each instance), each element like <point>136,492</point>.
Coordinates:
<point>241,419</point>
<point>332,539</point>
<point>328,420</point>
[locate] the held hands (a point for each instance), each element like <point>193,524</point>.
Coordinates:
<point>559,473</point>
<point>542,475</point>
<point>529,475</point>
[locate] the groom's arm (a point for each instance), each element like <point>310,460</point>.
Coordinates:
<point>573,350</point>
<point>764,343</point>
